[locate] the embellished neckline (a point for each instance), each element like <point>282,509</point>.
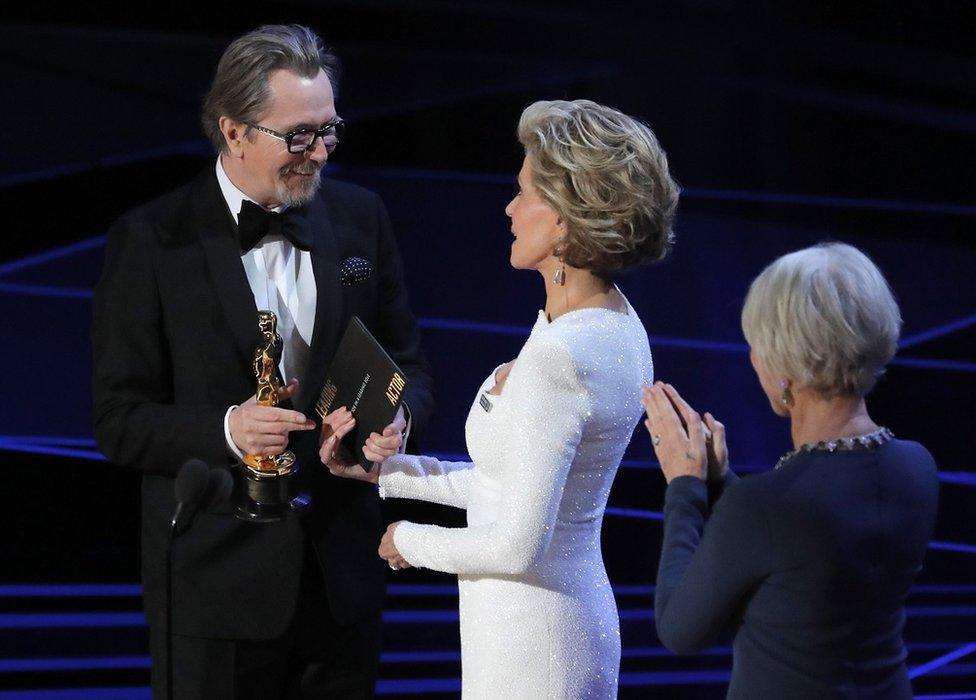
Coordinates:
<point>866,441</point>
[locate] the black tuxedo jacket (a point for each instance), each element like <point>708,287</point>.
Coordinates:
<point>174,330</point>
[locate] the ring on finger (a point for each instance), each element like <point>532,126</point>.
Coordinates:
<point>656,439</point>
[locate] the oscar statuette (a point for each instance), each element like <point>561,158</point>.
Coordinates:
<point>266,487</point>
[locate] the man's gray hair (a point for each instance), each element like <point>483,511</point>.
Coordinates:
<point>240,87</point>
<point>825,318</point>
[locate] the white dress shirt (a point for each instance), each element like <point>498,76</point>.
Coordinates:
<point>282,281</point>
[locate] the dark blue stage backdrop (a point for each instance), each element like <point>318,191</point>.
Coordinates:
<point>786,126</point>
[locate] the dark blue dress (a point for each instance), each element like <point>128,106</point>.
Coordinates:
<point>808,566</point>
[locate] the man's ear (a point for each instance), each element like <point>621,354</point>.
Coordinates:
<point>233,132</point>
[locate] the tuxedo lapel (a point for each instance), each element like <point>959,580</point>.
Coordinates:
<point>328,306</point>
<point>219,240</point>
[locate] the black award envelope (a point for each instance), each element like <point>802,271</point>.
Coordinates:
<point>364,379</point>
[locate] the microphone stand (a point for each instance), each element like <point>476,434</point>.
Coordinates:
<point>169,602</point>
<point>190,488</point>
<point>197,486</point>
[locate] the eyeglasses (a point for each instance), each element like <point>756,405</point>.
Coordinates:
<point>302,140</point>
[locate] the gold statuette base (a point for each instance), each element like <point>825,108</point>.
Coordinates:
<point>269,466</point>
<point>271,491</point>
<point>267,488</point>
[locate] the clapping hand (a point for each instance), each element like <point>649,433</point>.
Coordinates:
<point>683,443</point>
<point>718,451</point>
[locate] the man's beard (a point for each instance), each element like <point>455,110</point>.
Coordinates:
<point>300,191</point>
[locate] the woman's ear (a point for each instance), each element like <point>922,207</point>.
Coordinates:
<point>559,245</point>
<point>558,248</point>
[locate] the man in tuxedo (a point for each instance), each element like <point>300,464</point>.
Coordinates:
<point>260,610</point>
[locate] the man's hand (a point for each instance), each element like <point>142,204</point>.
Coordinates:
<point>263,430</point>
<point>378,447</point>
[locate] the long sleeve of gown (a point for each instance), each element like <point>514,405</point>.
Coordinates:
<point>549,406</point>
<point>426,479</point>
<point>708,563</point>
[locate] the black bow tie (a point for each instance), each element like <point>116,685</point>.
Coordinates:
<point>254,223</point>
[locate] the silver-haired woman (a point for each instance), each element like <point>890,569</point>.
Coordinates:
<point>809,564</point>
<point>546,431</point>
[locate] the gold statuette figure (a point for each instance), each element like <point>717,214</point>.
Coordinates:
<point>266,358</point>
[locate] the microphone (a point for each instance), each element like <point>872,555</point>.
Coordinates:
<point>219,487</point>
<point>199,487</point>
<point>191,485</point>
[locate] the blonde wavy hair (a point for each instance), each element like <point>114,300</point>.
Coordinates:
<point>606,176</point>
<point>824,317</point>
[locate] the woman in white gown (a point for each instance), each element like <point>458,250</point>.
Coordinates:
<point>546,432</point>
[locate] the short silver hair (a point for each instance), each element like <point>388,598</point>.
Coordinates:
<point>607,177</point>
<point>825,318</point>
<point>240,87</point>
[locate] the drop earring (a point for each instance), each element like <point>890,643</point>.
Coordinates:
<point>559,277</point>
<point>787,396</point>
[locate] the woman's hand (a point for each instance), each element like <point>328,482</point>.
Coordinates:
<point>388,550</point>
<point>678,436</point>
<point>335,426</point>
<point>380,446</point>
<point>718,452</point>
<point>715,447</point>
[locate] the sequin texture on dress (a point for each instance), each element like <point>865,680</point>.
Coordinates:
<point>538,616</point>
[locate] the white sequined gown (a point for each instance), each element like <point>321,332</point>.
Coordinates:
<point>538,616</point>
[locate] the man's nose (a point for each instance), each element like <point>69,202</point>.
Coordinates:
<point>318,156</point>
<point>318,152</point>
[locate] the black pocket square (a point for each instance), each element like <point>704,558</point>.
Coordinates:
<point>354,270</point>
